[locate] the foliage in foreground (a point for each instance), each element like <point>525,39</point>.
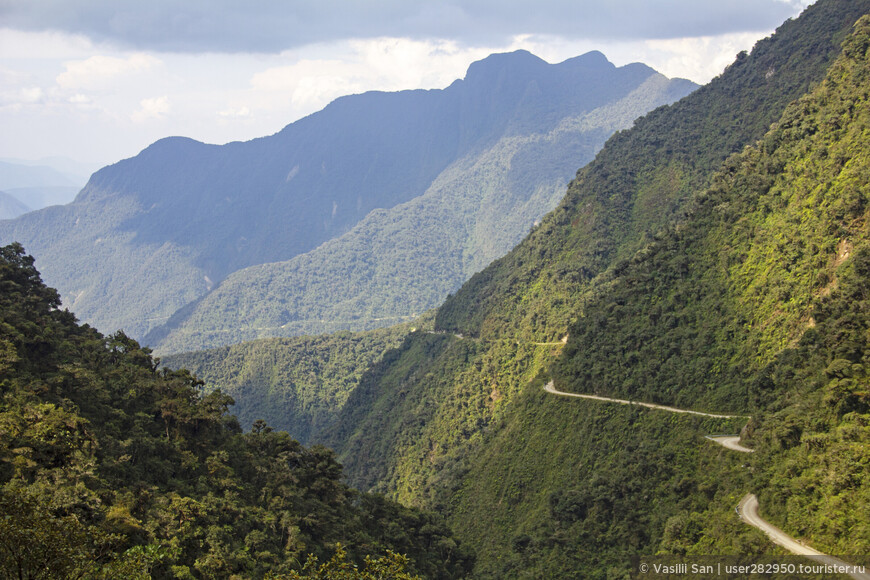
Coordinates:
<point>388,567</point>
<point>110,466</point>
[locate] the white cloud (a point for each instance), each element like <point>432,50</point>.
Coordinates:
<point>696,58</point>
<point>313,92</point>
<point>31,95</point>
<point>149,109</point>
<point>100,71</point>
<point>17,44</point>
<point>403,63</point>
<point>55,88</point>
<point>386,64</point>
<point>15,99</point>
<point>240,113</point>
<point>231,26</point>
<point>307,84</point>
<point>699,59</point>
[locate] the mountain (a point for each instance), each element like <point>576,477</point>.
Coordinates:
<point>111,468</point>
<point>17,174</point>
<point>713,258</point>
<point>11,206</point>
<point>397,263</point>
<point>150,236</point>
<point>38,184</point>
<point>44,196</point>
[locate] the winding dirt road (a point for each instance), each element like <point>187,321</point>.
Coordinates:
<point>748,506</point>
<point>748,510</point>
<point>730,442</point>
<point>551,388</point>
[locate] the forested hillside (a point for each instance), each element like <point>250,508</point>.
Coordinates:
<point>110,468</point>
<point>151,235</point>
<point>298,384</point>
<point>757,302</point>
<point>711,257</point>
<point>714,257</point>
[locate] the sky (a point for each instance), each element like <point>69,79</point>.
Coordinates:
<point>99,80</point>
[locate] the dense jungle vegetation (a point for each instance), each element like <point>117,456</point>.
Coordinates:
<point>111,467</point>
<point>298,384</point>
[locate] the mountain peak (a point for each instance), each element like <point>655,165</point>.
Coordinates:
<point>519,62</point>
<point>591,59</point>
<point>521,66</point>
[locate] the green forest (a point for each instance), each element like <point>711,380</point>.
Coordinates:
<point>114,468</point>
<point>296,384</point>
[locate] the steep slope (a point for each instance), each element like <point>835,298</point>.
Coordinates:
<point>151,234</point>
<point>641,180</point>
<point>737,280</point>
<point>547,487</point>
<point>758,301</point>
<point>110,468</point>
<point>399,262</point>
<point>298,384</point>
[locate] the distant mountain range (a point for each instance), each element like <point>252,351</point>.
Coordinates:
<point>11,206</point>
<point>399,195</point>
<point>37,184</point>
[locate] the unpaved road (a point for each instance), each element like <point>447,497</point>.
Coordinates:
<point>748,510</point>
<point>730,442</point>
<point>748,506</point>
<point>551,388</point>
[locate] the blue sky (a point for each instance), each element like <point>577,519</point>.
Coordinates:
<point>98,80</point>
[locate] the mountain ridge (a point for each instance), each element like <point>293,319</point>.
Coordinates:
<point>10,206</point>
<point>714,257</point>
<point>395,264</point>
<point>153,233</point>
